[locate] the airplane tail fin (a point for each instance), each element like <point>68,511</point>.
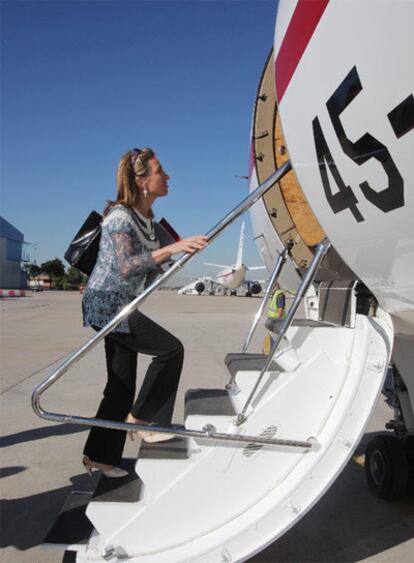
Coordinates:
<point>239,260</point>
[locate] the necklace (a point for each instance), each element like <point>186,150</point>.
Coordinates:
<point>146,224</point>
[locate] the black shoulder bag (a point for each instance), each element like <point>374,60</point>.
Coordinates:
<point>83,250</point>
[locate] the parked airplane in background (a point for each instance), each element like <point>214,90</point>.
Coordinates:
<point>229,278</point>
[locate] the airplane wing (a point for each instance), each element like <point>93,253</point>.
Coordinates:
<point>216,265</point>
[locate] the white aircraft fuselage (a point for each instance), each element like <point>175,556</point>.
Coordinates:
<point>346,108</point>
<point>232,278</point>
<point>343,83</point>
<point>346,111</point>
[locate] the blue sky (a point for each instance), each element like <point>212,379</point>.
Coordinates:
<point>84,81</point>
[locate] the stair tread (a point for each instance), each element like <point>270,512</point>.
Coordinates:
<point>124,489</point>
<point>72,526</point>
<point>312,323</point>
<point>208,402</point>
<point>238,361</point>
<point>176,448</point>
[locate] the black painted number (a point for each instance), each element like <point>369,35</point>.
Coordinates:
<point>365,148</point>
<point>345,197</point>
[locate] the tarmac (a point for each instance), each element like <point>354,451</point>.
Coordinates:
<point>41,461</point>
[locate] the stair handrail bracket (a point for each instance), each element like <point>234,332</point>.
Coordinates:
<point>321,251</point>
<point>252,198</point>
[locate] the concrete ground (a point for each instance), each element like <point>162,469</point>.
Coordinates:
<point>41,461</point>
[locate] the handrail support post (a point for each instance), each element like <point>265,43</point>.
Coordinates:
<point>280,262</point>
<point>320,253</point>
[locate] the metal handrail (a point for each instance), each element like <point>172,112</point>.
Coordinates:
<point>76,356</point>
<point>273,278</point>
<point>321,251</point>
<point>231,385</point>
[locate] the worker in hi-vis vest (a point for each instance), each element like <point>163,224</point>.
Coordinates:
<point>285,355</point>
<point>276,311</point>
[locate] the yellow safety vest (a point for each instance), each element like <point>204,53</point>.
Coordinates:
<point>272,311</point>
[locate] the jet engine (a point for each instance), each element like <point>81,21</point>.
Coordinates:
<point>255,288</point>
<point>200,287</point>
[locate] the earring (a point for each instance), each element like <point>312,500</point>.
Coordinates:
<point>145,192</point>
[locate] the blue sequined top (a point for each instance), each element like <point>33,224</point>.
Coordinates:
<point>124,266</point>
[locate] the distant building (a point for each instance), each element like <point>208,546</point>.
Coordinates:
<point>42,281</point>
<point>12,254</point>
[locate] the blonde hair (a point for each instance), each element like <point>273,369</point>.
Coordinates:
<point>133,164</point>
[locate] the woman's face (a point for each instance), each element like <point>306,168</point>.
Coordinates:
<point>156,180</point>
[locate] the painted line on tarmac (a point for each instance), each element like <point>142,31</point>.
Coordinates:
<point>25,307</point>
<point>36,372</point>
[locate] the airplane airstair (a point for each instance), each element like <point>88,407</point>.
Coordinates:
<point>252,457</point>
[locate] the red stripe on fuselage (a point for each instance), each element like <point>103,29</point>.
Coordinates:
<point>299,32</point>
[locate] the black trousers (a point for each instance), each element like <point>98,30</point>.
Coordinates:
<point>156,398</point>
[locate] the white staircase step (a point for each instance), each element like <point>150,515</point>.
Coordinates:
<point>209,407</point>
<point>120,495</point>
<point>238,361</point>
<point>214,402</point>
<point>161,465</point>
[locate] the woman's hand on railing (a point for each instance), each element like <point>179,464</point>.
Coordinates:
<point>190,245</point>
